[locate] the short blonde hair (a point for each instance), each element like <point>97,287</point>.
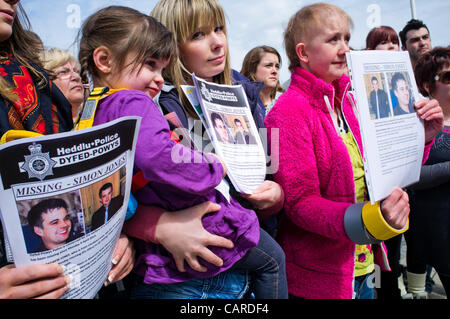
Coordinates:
<point>302,23</point>
<point>53,58</point>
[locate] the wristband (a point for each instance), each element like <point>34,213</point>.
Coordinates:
<point>376,225</point>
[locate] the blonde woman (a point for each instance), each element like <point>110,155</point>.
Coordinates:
<point>65,73</point>
<point>200,31</point>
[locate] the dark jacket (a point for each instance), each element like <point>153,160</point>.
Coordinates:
<point>383,104</point>
<point>98,219</point>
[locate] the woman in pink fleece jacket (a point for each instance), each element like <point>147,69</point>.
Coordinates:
<point>322,220</point>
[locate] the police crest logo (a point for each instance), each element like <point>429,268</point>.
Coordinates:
<point>38,164</point>
<point>205,93</point>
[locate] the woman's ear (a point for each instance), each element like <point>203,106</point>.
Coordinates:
<point>102,59</point>
<point>300,49</point>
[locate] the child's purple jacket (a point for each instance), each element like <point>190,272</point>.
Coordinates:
<point>176,185</point>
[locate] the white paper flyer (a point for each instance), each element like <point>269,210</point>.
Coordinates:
<point>63,199</point>
<point>392,133</point>
<point>226,115</point>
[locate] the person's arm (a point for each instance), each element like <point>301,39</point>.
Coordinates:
<point>34,281</point>
<point>370,224</point>
<point>431,113</point>
<point>364,222</point>
<point>123,260</point>
<point>432,176</point>
<point>267,199</point>
<point>164,161</point>
<point>143,223</point>
<point>307,208</point>
<point>180,232</point>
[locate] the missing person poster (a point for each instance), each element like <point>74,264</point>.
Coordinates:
<point>63,199</point>
<point>392,133</point>
<point>226,114</point>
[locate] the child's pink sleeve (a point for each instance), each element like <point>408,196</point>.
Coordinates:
<point>143,223</point>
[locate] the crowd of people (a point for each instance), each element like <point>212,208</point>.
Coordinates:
<point>309,230</point>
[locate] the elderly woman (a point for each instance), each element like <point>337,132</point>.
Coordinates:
<point>428,236</point>
<point>65,73</point>
<point>262,64</point>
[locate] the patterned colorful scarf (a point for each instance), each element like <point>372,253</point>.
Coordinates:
<point>44,110</point>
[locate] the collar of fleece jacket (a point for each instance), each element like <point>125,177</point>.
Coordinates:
<point>315,88</point>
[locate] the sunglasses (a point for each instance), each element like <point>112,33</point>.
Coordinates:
<point>443,77</point>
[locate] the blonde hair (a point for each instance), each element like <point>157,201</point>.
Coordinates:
<point>53,58</point>
<point>123,30</point>
<point>183,18</point>
<point>302,23</point>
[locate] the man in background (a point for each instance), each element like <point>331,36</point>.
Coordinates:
<point>415,38</point>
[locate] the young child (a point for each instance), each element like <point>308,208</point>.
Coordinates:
<point>123,48</point>
<point>321,168</point>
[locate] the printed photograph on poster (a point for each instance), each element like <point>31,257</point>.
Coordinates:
<point>51,222</point>
<point>241,128</point>
<point>222,127</point>
<point>402,97</point>
<point>377,89</point>
<point>103,199</point>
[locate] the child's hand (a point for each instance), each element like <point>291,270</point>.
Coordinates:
<point>395,208</point>
<point>431,113</point>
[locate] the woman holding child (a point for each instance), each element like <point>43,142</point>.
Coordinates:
<point>200,31</point>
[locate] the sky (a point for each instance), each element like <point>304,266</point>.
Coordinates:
<point>250,23</point>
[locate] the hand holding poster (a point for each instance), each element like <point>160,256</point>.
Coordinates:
<point>392,133</point>
<point>63,199</point>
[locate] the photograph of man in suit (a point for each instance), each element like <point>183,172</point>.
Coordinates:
<point>110,205</point>
<point>378,101</point>
<point>242,136</point>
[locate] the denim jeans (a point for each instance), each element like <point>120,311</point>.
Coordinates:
<point>232,284</point>
<point>267,267</point>
<point>361,289</point>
